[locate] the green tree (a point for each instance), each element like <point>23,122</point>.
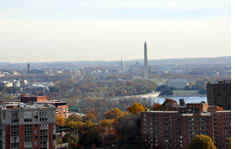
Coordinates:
<point>73,117</point>
<point>202,142</point>
<point>89,124</point>
<point>89,116</point>
<point>75,125</point>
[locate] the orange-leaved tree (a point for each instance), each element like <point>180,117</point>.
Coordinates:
<point>115,113</point>
<point>136,107</point>
<point>202,142</point>
<point>219,108</point>
<point>106,123</point>
<point>60,121</point>
<point>156,106</point>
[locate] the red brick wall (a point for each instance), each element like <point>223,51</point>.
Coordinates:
<point>50,130</point>
<point>8,136</point>
<point>37,128</point>
<point>21,136</point>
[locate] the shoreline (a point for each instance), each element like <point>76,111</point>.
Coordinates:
<point>148,95</point>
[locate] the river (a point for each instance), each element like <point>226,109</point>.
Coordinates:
<point>188,99</point>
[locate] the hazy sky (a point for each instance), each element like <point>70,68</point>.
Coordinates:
<point>73,30</point>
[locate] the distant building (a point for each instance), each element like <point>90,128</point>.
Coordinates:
<point>8,84</point>
<point>219,94</point>
<point>174,126</point>
<point>177,83</point>
<point>122,66</point>
<point>61,108</point>
<point>146,75</point>
<point>28,68</point>
<point>25,126</point>
<point>17,83</point>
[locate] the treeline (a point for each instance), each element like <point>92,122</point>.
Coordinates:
<point>199,85</point>
<point>119,129</point>
<point>101,88</point>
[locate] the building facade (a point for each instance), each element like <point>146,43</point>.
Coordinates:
<point>219,94</point>
<point>175,128</point>
<point>27,126</point>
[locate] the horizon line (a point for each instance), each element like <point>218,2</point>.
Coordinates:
<point>67,61</point>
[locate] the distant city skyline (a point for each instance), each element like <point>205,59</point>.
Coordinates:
<point>75,30</point>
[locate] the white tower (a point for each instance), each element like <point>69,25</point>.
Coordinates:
<point>145,61</point>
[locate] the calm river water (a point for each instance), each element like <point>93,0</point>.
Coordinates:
<point>191,99</point>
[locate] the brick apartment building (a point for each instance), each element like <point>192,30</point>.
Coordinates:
<point>61,106</point>
<point>219,94</point>
<point>173,127</point>
<point>27,126</point>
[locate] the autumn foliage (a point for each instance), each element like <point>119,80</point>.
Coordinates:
<point>219,108</point>
<point>60,121</point>
<point>115,113</point>
<point>136,107</point>
<point>156,106</point>
<point>89,116</point>
<point>202,142</point>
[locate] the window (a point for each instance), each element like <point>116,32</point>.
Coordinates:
<point>27,133</point>
<point>14,117</point>
<point>14,130</point>
<point>4,115</point>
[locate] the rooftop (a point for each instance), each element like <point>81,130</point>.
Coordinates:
<point>20,105</point>
<point>163,111</point>
<point>224,111</point>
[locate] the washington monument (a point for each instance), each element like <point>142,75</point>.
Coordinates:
<point>145,61</point>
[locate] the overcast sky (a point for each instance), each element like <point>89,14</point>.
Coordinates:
<point>73,30</point>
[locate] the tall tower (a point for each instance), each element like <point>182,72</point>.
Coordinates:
<point>145,61</point>
<point>28,68</point>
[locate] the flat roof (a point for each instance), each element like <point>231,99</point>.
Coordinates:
<point>20,105</point>
<point>163,111</point>
<point>224,111</point>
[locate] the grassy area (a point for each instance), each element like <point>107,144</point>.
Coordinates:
<point>158,81</point>
<point>185,92</point>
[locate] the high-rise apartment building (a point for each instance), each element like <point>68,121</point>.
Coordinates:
<point>27,126</point>
<point>219,94</point>
<point>174,126</point>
